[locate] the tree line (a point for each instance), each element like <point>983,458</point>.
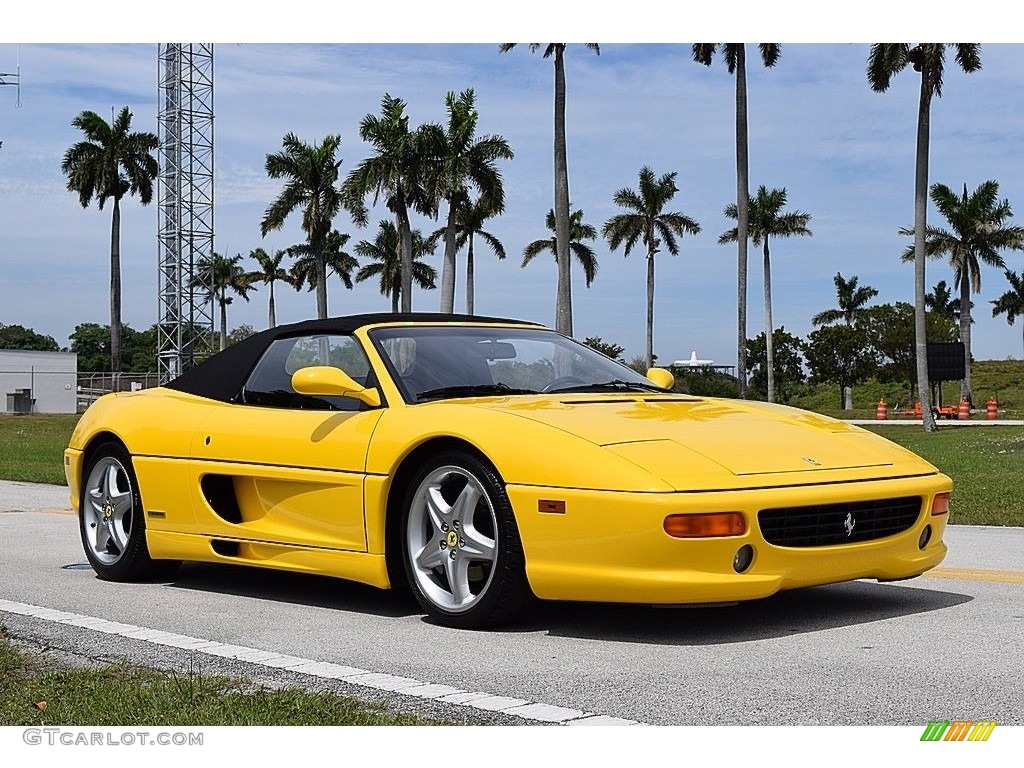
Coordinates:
<point>448,171</point>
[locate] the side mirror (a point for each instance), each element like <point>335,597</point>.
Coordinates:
<point>328,381</point>
<point>660,377</point>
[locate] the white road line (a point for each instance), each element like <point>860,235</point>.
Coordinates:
<point>488,702</point>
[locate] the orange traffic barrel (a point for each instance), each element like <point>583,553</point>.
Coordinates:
<point>992,408</point>
<point>917,410</point>
<point>882,412</point>
<point>963,411</point>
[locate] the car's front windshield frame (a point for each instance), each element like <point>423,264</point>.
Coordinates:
<point>586,369</point>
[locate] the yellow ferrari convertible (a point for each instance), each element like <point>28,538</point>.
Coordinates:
<point>482,462</point>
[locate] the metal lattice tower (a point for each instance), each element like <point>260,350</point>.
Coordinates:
<point>185,200</point>
<point>13,79</point>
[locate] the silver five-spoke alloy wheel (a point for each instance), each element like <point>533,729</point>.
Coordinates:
<point>108,512</point>
<point>451,539</point>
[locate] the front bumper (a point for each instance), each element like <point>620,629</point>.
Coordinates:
<point>612,547</point>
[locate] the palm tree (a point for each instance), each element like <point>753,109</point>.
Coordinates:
<point>978,231</point>
<point>767,220</point>
<point>385,263</point>
<point>646,221</point>
<point>335,259</point>
<point>399,172</point>
<point>1011,303</point>
<point>270,271</point>
<point>466,160</point>
<point>112,161</point>
<point>941,301</point>
<point>228,275</point>
<point>563,223</point>
<point>578,232</point>
<point>470,217</point>
<point>884,62</point>
<point>735,57</point>
<point>311,173</point>
<point>852,299</point>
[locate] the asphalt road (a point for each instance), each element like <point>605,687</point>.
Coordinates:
<point>943,646</point>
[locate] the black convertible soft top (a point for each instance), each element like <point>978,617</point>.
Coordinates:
<point>221,376</point>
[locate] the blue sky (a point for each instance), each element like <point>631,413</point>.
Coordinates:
<point>844,153</point>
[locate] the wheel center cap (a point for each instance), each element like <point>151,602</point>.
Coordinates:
<point>453,539</point>
<point>108,512</point>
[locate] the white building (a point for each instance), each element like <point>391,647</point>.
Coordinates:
<point>694,362</point>
<point>38,382</point>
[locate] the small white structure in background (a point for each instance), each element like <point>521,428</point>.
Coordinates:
<point>38,382</point>
<point>693,362</point>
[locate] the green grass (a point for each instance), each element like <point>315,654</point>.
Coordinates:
<point>32,447</point>
<point>985,463</point>
<point>35,693</point>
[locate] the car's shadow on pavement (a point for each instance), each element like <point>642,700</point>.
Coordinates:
<point>782,615</point>
<point>296,588</point>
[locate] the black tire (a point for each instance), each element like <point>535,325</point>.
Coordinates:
<point>111,519</point>
<point>463,558</point>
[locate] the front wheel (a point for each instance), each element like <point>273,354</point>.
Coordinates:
<point>111,519</point>
<point>460,544</point>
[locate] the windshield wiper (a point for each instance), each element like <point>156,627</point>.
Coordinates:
<point>615,385</point>
<point>472,390</point>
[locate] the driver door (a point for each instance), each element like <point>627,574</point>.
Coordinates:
<point>282,467</point>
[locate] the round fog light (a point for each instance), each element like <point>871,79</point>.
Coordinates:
<point>744,557</point>
<point>926,536</point>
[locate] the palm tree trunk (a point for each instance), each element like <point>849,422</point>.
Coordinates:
<point>469,277</point>
<point>742,217</point>
<point>115,287</point>
<point>965,332</point>
<point>223,323</point>
<point>405,246</point>
<point>394,299</point>
<point>920,222</point>
<point>769,327</point>
<point>321,284</point>
<point>272,318</point>
<point>448,265</point>
<point>650,310</point>
<point>563,306</point>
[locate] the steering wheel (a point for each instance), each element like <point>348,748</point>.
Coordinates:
<point>563,381</point>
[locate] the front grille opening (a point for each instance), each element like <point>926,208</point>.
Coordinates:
<point>823,525</point>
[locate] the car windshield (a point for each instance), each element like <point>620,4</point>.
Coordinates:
<point>438,362</point>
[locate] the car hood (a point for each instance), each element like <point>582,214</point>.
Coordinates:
<point>691,442</point>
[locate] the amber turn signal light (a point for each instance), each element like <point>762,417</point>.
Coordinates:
<point>940,504</point>
<point>705,524</point>
<point>551,506</point>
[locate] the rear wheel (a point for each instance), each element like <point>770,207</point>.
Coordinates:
<point>460,544</point>
<point>111,519</point>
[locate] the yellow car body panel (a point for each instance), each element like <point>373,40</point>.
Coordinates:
<point>612,546</point>
<point>313,489</point>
